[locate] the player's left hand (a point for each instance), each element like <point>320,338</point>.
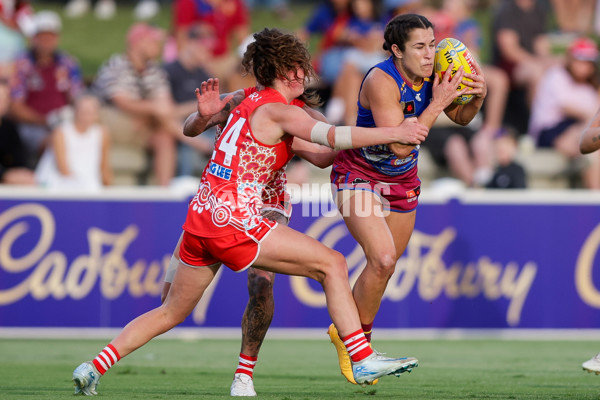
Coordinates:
<point>208,97</point>
<point>478,86</point>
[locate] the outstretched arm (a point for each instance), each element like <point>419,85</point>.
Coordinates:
<point>590,136</point>
<point>297,122</point>
<point>316,154</point>
<point>213,108</point>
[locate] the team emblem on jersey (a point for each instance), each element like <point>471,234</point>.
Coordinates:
<point>408,107</point>
<point>418,97</point>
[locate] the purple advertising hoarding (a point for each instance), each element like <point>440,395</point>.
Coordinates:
<point>481,261</point>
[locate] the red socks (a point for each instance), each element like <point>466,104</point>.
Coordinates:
<point>357,346</point>
<point>106,359</point>
<point>246,365</point>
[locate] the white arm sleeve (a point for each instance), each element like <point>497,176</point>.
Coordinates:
<point>318,134</point>
<point>343,137</point>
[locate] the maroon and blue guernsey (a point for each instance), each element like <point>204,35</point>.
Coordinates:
<point>378,163</point>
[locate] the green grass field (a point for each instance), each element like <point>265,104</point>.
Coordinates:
<point>291,369</point>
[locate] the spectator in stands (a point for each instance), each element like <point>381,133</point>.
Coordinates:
<point>521,47</point>
<point>78,156</point>
<point>45,83</point>
<point>185,74</point>
<point>566,98</point>
<point>450,148</point>
<point>468,151</point>
<point>364,33</point>
<point>139,111</point>
<point>16,22</point>
<point>281,8</point>
<point>397,7</point>
<point>13,170</point>
<point>322,17</point>
<point>229,21</point>
<point>574,16</point>
<point>326,22</point>
<point>509,174</point>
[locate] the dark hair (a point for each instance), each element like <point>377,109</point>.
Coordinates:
<point>399,28</point>
<point>273,54</point>
<point>311,98</point>
<point>593,79</point>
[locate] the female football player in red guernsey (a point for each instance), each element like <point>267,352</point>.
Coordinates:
<point>214,109</point>
<point>377,187</point>
<point>224,223</point>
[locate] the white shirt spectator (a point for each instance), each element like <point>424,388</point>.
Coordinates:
<point>557,90</point>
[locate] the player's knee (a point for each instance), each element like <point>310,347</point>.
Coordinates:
<point>171,317</point>
<point>260,285</point>
<point>337,266</point>
<point>383,263</point>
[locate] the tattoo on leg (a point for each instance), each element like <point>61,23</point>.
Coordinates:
<point>258,314</point>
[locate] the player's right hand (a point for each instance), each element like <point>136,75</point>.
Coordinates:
<point>412,132</point>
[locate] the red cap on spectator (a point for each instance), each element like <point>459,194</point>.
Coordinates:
<point>143,30</point>
<point>584,49</point>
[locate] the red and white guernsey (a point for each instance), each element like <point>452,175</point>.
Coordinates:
<point>239,177</point>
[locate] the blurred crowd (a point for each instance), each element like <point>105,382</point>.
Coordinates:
<point>60,131</point>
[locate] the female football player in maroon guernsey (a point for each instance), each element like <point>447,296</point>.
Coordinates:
<point>377,187</point>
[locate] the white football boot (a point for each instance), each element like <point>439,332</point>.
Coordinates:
<point>592,365</point>
<point>86,378</point>
<point>242,386</point>
<point>377,365</point>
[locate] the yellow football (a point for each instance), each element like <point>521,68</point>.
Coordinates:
<point>453,50</point>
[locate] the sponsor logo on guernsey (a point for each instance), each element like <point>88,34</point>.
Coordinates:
<point>358,181</point>
<point>219,171</point>
<point>412,195</point>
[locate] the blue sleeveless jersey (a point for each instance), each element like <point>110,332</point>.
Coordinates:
<point>413,100</point>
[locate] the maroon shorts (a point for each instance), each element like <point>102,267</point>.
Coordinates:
<point>400,196</point>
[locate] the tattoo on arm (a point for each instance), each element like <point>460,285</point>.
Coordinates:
<point>222,116</point>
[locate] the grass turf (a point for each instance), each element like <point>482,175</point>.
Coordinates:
<point>291,369</point>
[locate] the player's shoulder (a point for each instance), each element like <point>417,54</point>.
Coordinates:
<point>378,79</point>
